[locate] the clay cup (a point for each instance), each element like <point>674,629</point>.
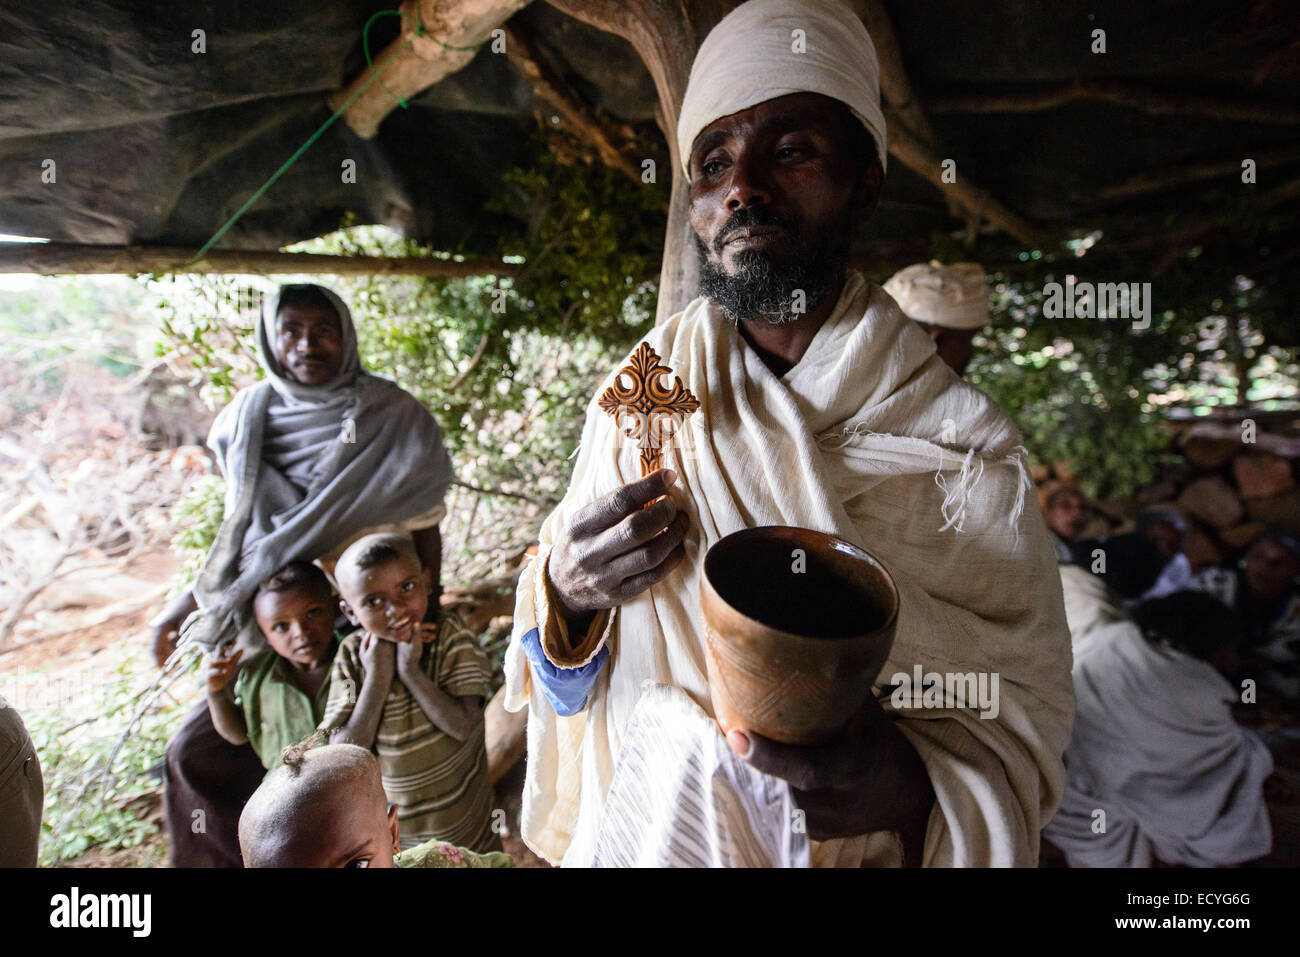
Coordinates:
<point>797,626</point>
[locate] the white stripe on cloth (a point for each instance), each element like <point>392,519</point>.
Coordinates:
<point>682,798</point>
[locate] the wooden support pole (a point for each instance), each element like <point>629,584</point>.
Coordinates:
<point>895,87</point>
<point>55,259</point>
<point>911,137</point>
<point>506,736</point>
<point>452,31</point>
<point>665,34</point>
<point>585,121</point>
<point>1151,181</point>
<point>918,157</point>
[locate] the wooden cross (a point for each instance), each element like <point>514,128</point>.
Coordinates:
<point>642,406</point>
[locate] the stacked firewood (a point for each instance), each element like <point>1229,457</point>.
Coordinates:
<point>1229,480</point>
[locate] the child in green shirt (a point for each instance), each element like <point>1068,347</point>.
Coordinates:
<point>281,691</point>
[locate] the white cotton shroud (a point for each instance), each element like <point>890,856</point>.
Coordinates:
<point>769,48</point>
<point>1156,748</point>
<point>872,438</point>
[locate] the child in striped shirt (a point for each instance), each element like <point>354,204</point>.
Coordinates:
<point>413,692</point>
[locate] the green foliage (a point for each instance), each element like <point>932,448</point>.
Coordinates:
<point>591,244</point>
<point>1094,392</point>
<point>51,328</point>
<point>505,364</point>
<point>1072,408</point>
<point>1069,386</point>
<point>207,326</point>
<point>84,807</point>
<point>195,518</point>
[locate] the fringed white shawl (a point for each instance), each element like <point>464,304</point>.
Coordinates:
<point>872,438</point>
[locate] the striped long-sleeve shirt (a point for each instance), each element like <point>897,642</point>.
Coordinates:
<point>440,785</point>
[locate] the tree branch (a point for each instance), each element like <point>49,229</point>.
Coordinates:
<point>1155,180</point>
<point>474,360</point>
<point>918,157</point>
<point>1122,94</point>
<point>543,503</point>
<point>586,121</point>
<point>438,38</point>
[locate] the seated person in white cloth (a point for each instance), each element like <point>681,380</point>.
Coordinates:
<point>1167,530</point>
<point>831,418</point>
<point>951,303</point>
<point>1158,768</point>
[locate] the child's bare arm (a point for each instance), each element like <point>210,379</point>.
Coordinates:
<point>226,716</point>
<point>377,656</point>
<point>454,715</point>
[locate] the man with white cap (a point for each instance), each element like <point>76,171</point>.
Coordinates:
<point>951,303</point>
<point>821,406</point>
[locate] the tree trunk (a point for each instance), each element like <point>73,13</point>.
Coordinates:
<point>506,735</point>
<point>666,34</point>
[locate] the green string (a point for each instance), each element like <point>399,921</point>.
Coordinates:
<point>365,47</point>
<point>374,77</point>
<point>419,32</point>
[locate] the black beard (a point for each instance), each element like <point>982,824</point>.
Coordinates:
<point>763,290</point>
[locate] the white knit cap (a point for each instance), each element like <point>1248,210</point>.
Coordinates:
<point>954,297</point>
<point>750,57</point>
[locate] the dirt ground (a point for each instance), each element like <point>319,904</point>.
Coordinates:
<point>79,617</point>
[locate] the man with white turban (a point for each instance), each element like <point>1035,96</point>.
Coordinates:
<point>821,406</point>
<point>951,303</point>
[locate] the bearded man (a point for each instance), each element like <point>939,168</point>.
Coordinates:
<point>822,406</point>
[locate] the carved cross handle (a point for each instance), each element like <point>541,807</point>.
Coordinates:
<point>644,409</point>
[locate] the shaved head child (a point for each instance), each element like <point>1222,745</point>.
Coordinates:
<point>279,694</point>
<point>326,807</point>
<point>410,684</point>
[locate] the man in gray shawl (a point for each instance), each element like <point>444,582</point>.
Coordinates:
<point>318,454</point>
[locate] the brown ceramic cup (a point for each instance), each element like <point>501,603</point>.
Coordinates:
<point>798,625</point>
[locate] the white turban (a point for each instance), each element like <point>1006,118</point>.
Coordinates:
<point>954,297</point>
<point>750,57</point>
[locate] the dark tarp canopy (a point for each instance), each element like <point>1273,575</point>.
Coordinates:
<point>158,145</point>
